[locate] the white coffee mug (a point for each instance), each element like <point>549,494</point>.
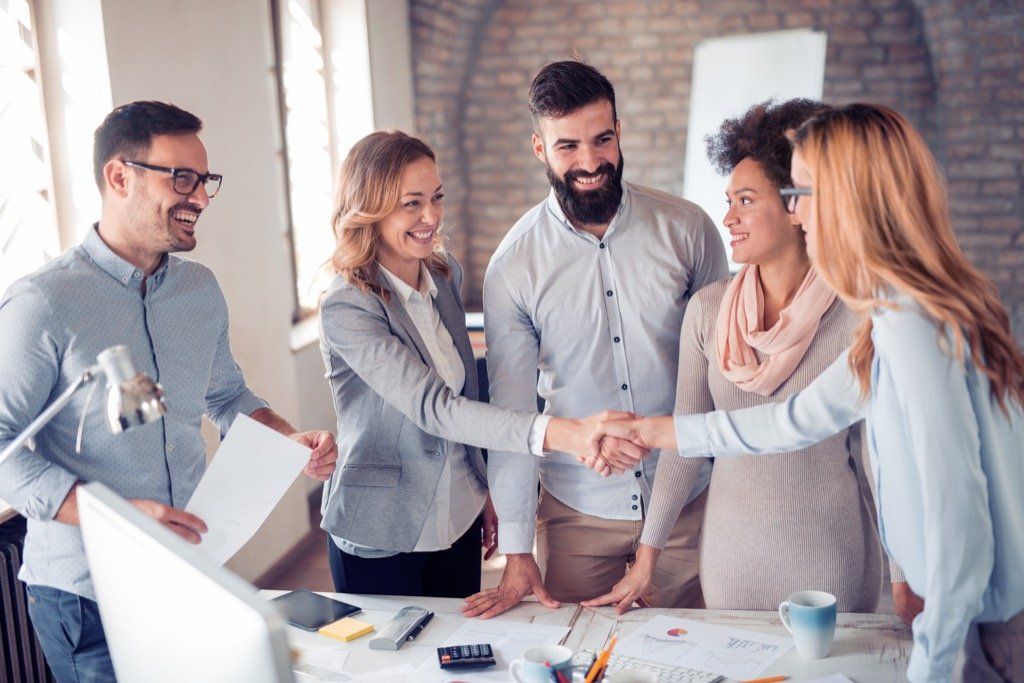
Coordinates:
<point>811,617</point>
<point>530,668</point>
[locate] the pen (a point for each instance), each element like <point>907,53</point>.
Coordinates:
<point>416,631</point>
<point>770,679</point>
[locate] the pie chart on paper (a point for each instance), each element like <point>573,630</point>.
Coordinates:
<point>676,632</point>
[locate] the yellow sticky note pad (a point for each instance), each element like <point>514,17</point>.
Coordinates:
<point>346,629</point>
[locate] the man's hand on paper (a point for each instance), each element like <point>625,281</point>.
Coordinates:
<point>324,457</point>
<point>185,524</point>
<point>633,585</point>
<point>521,578</point>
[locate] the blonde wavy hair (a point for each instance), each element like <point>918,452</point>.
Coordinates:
<point>883,224</point>
<point>368,190</point>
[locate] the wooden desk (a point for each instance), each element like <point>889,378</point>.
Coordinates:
<point>378,610</point>
<point>869,648</point>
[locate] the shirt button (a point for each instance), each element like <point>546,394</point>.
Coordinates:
<point>634,507</point>
<point>601,245</point>
<point>624,387</point>
<point>637,474</point>
<point>170,449</point>
<point>634,496</point>
<point>609,292</point>
<point>616,340</point>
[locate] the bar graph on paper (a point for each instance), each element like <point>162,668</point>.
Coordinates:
<point>696,645</point>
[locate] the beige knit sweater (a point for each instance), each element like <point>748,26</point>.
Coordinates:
<point>774,524</point>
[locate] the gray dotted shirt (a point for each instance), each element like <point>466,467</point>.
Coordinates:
<point>53,323</point>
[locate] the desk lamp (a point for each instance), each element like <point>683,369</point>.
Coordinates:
<point>133,398</point>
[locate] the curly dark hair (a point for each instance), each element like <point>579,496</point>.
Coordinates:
<point>761,135</point>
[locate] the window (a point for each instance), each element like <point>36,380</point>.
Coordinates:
<point>324,83</point>
<point>779,65</point>
<point>28,224</point>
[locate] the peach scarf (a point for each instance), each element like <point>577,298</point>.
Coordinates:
<point>784,345</point>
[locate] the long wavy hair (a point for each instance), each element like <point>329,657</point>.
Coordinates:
<point>883,224</point>
<point>368,190</point>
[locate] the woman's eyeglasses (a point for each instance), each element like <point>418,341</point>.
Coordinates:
<point>791,195</point>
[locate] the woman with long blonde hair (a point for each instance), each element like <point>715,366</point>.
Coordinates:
<point>933,370</point>
<point>408,505</point>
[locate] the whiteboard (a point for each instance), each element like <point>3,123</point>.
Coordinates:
<point>730,75</point>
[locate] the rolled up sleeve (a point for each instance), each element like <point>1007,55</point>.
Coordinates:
<point>227,394</point>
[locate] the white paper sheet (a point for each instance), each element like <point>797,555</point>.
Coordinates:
<point>508,639</point>
<point>696,645</point>
<point>321,664</point>
<point>834,678</point>
<point>404,673</point>
<point>251,471</point>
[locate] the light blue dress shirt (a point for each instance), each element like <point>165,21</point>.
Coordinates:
<point>600,319</point>
<point>54,322</point>
<point>949,466</point>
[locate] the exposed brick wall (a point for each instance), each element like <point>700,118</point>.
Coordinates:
<point>977,52</point>
<point>953,70</point>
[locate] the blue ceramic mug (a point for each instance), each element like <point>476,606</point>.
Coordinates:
<point>811,617</point>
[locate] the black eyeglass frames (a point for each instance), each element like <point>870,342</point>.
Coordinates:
<point>185,179</point>
<point>790,195</point>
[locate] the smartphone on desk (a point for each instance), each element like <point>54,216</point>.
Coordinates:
<point>310,611</point>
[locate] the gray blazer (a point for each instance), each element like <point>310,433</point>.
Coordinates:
<point>396,416</point>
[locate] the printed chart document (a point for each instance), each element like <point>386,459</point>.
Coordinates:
<point>253,468</point>
<point>722,650</point>
<point>509,640</point>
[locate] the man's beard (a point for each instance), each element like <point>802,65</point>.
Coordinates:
<point>589,207</point>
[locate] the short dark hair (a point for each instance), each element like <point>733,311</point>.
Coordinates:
<point>561,88</point>
<point>761,135</point>
<point>128,131</point>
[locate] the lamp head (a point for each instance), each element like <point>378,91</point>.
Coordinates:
<point>133,399</point>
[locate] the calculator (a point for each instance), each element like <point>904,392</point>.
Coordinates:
<point>457,657</point>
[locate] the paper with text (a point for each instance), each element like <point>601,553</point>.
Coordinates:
<point>251,471</point>
<point>693,644</point>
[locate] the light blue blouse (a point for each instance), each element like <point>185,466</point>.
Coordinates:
<point>949,465</point>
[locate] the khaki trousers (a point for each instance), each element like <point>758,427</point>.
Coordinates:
<point>995,652</point>
<point>582,557</point>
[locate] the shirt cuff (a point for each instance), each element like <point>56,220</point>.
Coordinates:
<point>923,670</point>
<point>691,434</point>
<point>246,403</point>
<point>896,572</point>
<point>537,433</point>
<point>516,537</point>
<point>48,493</point>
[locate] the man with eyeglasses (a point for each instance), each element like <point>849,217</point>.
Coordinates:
<point>121,285</point>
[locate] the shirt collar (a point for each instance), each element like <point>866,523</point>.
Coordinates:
<point>115,266</point>
<point>556,210</point>
<point>427,285</point>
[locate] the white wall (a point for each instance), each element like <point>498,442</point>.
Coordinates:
<point>215,59</point>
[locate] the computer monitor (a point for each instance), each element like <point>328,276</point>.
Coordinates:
<point>169,613</point>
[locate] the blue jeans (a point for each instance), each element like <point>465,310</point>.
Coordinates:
<point>71,635</point>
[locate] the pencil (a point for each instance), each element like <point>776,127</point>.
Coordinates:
<point>771,679</point>
<point>602,660</point>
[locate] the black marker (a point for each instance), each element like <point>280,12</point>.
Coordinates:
<point>416,631</point>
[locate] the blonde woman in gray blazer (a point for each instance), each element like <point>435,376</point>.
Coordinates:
<point>408,508</point>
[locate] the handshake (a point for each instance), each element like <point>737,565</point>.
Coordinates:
<point>610,442</point>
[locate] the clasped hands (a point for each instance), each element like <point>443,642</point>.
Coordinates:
<point>610,442</point>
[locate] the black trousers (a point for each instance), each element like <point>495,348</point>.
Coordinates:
<point>451,573</point>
